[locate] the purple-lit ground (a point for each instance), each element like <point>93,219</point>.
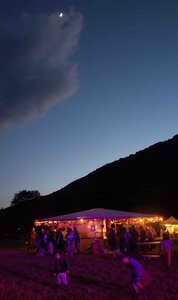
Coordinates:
<point>26,276</point>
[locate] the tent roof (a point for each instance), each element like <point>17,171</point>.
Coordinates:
<point>170,220</point>
<point>98,213</point>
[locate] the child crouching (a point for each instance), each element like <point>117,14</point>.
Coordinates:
<point>141,278</point>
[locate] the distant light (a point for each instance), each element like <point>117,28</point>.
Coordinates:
<point>61,15</point>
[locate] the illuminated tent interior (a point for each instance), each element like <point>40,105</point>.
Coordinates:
<point>171,224</point>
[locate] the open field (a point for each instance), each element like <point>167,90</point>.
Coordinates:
<point>24,276</point>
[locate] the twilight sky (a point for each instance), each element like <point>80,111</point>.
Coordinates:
<point>83,90</point>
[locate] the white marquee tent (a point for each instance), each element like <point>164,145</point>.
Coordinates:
<point>99,213</point>
<point>94,223</point>
<point>171,220</point>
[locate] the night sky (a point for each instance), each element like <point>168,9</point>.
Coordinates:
<point>83,90</point>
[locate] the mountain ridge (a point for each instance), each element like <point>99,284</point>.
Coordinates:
<point>142,182</point>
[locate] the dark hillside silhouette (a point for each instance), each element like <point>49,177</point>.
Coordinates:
<point>143,182</point>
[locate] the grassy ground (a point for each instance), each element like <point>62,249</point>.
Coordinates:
<point>26,276</point>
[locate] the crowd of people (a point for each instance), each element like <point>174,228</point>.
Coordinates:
<point>67,242</point>
<point>119,237</point>
<point>47,241</point>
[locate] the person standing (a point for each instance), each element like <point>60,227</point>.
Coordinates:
<point>61,269</point>
<point>43,243</point>
<point>33,238</point>
<point>77,240</point>
<point>112,240</point>
<point>50,242</point>
<point>70,237</point>
<point>59,240</point>
<point>166,245</point>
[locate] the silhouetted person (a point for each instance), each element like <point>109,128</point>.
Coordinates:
<point>166,245</point>
<point>77,240</point>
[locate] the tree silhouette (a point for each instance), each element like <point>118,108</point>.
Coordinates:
<point>24,196</point>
